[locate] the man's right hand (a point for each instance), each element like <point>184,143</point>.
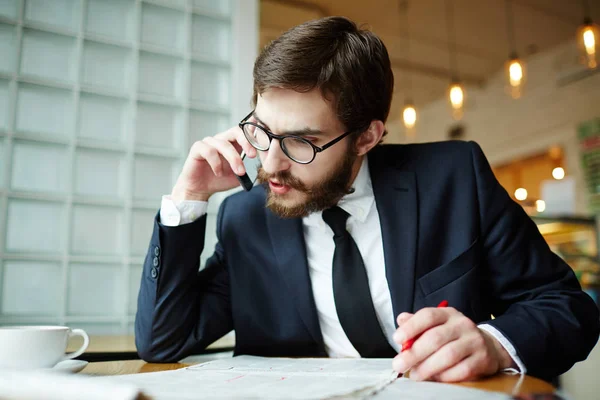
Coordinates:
<point>212,165</point>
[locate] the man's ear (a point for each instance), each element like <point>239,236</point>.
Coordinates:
<point>369,138</point>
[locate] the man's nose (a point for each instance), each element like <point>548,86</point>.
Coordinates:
<point>275,160</point>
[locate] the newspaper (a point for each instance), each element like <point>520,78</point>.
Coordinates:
<point>248,377</point>
<point>243,377</point>
<point>406,389</point>
<point>52,385</point>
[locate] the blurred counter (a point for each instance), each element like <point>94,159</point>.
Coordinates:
<point>575,240</point>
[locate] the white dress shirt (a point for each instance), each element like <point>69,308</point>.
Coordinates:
<point>364,227</point>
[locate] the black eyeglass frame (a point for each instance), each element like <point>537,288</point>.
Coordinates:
<point>271,135</point>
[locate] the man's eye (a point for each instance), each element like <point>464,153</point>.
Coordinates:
<point>312,139</point>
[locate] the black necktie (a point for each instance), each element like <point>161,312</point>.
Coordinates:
<point>351,292</point>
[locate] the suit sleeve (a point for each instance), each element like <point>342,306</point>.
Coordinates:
<point>181,310</point>
<point>537,301</point>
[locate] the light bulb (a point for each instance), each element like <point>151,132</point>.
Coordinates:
<point>558,173</point>
<point>521,194</point>
<point>457,96</point>
<point>589,41</point>
<point>515,72</point>
<point>409,115</point>
<point>515,76</point>
<point>540,205</point>
<point>587,38</point>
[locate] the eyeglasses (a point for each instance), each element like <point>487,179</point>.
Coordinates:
<point>297,148</point>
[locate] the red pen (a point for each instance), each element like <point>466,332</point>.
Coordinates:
<point>408,344</point>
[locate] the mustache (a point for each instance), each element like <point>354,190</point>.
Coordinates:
<point>284,178</point>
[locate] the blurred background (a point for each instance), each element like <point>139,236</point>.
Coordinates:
<point>101,99</point>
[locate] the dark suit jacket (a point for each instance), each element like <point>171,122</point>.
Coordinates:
<point>450,231</point>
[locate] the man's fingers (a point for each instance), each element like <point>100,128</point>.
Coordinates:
<point>464,358</point>
<point>427,344</point>
<point>403,317</point>
<point>399,365</point>
<point>236,136</point>
<point>201,151</point>
<point>245,145</point>
<point>228,151</point>
<point>447,346</point>
<point>422,320</point>
<point>465,370</point>
<point>443,358</point>
<point>434,339</point>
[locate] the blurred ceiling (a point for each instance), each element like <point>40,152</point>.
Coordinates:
<point>480,30</point>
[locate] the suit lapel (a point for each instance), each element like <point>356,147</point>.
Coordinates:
<point>287,238</point>
<point>396,199</point>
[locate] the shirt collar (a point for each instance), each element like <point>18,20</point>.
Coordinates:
<point>358,203</point>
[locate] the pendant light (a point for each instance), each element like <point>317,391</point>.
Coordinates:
<point>587,38</point>
<point>456,91</point>
<point>409,115</point>
<point>409,112</point>
<point>515,71</point>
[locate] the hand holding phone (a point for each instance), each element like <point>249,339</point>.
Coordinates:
<point>251,164</point>
<point>213,165</point>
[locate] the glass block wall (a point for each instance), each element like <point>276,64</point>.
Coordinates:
<point>99,103</point>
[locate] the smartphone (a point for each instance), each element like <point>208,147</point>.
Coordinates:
<point>252,165</point>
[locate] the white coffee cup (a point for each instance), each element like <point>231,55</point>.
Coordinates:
<point>31,347</point>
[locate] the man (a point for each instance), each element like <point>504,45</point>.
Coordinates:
<point>358,242</point>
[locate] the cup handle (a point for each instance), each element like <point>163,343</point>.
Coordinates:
<point>86,342</point>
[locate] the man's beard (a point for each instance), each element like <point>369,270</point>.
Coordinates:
<point>319,196</point>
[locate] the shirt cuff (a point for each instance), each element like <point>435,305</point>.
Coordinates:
<point>521,369</point>
<point>179,213</point>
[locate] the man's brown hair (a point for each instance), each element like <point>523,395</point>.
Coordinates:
<point>349,65</point>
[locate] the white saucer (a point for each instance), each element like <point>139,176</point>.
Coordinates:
<point>70,366</point>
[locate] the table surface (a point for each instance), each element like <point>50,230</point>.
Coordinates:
<point>510,384</point>
<point>126,344</point>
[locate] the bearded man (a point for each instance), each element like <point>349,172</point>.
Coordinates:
<point>347,246</point>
